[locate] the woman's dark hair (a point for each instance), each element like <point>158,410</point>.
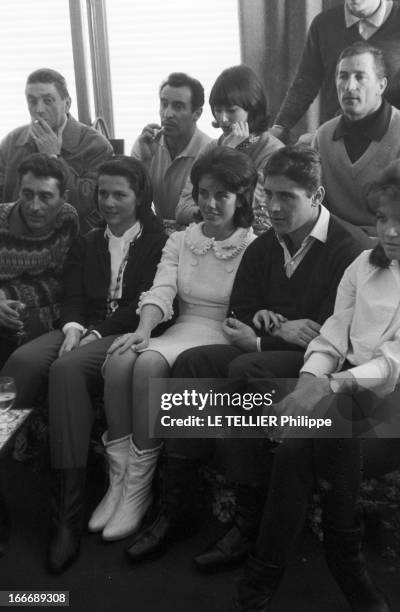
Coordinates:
<point>138,178</point>
<point>237,173</point>
<point>385,189</point>
<point>240,86</point>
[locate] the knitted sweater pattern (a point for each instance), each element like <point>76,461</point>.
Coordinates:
<point>31,266</point>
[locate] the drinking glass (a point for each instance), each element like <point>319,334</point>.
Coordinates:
<point>8,393</point>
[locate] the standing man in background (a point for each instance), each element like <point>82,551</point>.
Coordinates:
<point>377,21</point>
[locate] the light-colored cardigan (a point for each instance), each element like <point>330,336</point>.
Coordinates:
<point>346,184</point>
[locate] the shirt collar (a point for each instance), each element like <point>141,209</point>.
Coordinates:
<point>319,230</point>
<point>127,237</point>
<point>62,127</point>
<point>192,148</point>
<point>376,19</point>
<point>373,126</point>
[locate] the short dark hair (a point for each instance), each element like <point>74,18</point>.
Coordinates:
<point>360,47</point>
<point>236,171</point>
<point>181,79</point>
<point>43,166</point>
<point>48,75</point>
<point>138,178</point>
<point>299,163</point>
<point>240,86</point>
<point>386,187</point>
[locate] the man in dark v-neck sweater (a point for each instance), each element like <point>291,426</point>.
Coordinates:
<point>290,274</point>
<point>357,146</point>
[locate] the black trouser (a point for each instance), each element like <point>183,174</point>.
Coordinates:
<point>244,461</point>
<point>337,466</point>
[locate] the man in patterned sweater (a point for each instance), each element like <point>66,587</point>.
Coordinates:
<point>36,232</point>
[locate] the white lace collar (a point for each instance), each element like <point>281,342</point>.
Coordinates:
<point>199,244</point>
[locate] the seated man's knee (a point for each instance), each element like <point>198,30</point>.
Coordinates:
<point>25,363</point>
<point>64,366</point>
<point>294,452</point>
<point>249,365</point>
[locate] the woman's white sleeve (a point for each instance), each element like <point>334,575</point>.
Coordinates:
<point>165,284</point>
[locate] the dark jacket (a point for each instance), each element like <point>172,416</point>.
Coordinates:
<point>87,280</point>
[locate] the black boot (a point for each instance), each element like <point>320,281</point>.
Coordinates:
<point>232,549</point>
<point>67,515</point>
<point>257,587</point>
<point>347,565</point>
<point>176,517</point>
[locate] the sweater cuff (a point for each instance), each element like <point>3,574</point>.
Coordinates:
<point>72,324</point>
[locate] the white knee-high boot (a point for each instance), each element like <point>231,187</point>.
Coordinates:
<point>117,456</point>
<point>136,496</point>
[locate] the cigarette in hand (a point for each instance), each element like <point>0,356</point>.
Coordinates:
<point>157,134</point>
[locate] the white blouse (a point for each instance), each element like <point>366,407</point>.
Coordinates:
<point>364,328</point>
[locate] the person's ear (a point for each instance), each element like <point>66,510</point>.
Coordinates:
<point>197,113</point>
<point>65,195</point>
<point>383,84</point>
<point>318,197</point>
<point>67,104</point>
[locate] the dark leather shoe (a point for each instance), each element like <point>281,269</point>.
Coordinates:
<point>228,552</point>
<point>346,562</point>
<point>67,513</point>
<point>63,549</point>
<point>152,541</point>
<point>257,587</point>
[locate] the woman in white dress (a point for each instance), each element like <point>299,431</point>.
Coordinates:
<point>198,266</point>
